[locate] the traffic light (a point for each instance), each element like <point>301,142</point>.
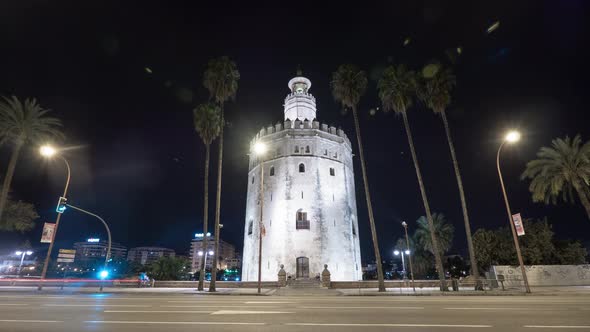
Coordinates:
<point>61,205</point>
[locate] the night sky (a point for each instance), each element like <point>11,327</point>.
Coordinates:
<point>137,161</point>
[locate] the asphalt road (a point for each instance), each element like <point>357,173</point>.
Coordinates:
<point>192,312</point>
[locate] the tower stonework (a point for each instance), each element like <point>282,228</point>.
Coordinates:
<point>310,217</point>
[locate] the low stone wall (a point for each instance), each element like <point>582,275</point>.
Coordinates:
<point>218,284</point>
<point>388,284</point>
<point>546,275</point>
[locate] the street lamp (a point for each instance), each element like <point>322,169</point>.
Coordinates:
<point>49,151</point>
<point>260,150</point>
<point>405,225</point>
<point>510,138</point>
<point>207,253</point>
<point>22,258</point>
<point>397,253</point>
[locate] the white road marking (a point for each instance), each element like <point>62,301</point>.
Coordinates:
<point>34,297</point>
<point>215,306</point>
<point>98,305</point>
<point>557,326</point>
<point>500,308</point>
<point>248,312</point>
<point>160,311</point>
<point>171,323</point>
<point>193,301</point>
<point>13,304</point>
<point>409,308</point>
<point>391,325</point>
<point>264,302</point>
<point>29,321</point>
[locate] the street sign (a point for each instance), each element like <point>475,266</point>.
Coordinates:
<point>65,260</point>
<point>47,235</point>
<point>516,218</point>
<point>66,255</point>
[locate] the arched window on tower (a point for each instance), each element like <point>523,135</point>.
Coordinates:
<point>301,221</point>
<point>250,227</point>
<point>272,171</point>
<point>301,168</point>
<point>307,150</point>
<point>332,172</point>
<point>297,149</point>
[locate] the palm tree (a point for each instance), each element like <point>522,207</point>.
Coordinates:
<point>18,216</point>
<point>207,119</point>
<point>435,93</point>
<point>396,91</point>
<point>444,233</point>
<point>559,171</point>
<point>221,79</point>
<point>349,83</point>
<point>22,123</point>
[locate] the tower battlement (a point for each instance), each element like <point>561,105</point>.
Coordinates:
<point>300,125</point>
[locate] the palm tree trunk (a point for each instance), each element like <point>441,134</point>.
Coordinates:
<point>217,205</point>
<point>435,247</point>
<point>583,195</point>
<point>369,206</point>
<point>473,261</point>
<point>9,175</point>
<point>205,218</point>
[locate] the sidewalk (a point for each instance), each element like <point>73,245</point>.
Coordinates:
<point>426,291</point>
<point>129,290</point>
<point>434,291</point>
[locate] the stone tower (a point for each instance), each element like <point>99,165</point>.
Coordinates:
<point>309,213</point>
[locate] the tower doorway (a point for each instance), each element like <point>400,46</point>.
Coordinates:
<point>302,268</point>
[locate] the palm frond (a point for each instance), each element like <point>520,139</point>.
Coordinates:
<point>349,84</point>
<point>396,88</point>
<point>221,79</point>
<point>207,121</point>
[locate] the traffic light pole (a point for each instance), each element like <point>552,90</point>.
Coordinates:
<point>46,264</point>
<point>106,259</point>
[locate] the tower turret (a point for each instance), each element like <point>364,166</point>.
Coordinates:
<point>300,104</point>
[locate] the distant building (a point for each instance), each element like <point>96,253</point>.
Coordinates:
<point>9,264</point>
<point>227,252</point>
<point>147,255</point>
<point>95,249</point>
<point>232,263</point>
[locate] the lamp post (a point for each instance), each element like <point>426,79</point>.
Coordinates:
<point>260,149</point>
<point>209,252</point>
<point>48,151</point>
<point>405,225</point>
<point>397,253</point>
<point>22,258</point>
<point>512,137</point>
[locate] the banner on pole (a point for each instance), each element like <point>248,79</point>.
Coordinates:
<point>517,219</point>
<point>48,230</point>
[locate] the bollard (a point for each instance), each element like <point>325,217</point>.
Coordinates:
<point>282,276</point>
<point>326,277</point>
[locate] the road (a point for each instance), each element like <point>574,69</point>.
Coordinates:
<point>193,312</point>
